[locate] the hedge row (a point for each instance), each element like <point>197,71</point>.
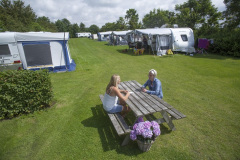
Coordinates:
<point>24,91</point>
<point>226,43</point>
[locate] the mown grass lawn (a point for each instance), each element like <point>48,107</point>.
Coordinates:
<point>206,88</point>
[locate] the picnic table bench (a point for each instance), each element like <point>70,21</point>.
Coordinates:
<point>143,105</point>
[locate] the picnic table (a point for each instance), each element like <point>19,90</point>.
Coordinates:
<point>143,105</point>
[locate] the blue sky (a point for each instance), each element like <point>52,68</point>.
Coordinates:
<point>99,12</point>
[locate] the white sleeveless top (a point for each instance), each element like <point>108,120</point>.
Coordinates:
<point>109,102</point>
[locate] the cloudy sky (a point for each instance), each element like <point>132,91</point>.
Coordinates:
<point>99,12</point>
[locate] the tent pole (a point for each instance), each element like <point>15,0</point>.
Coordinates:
<point>64,44</point>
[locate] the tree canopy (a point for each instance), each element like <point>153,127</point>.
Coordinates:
<point>200,15</point>
<point>195,13</point>
<point>157,18</point>
<point>16,16</point>
<point>232,14</point>
<point>132,19</point>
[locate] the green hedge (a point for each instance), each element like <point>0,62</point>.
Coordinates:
<point>226,42</point>
<point>24,91</point>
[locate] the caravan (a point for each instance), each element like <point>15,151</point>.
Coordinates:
<point>9,54</point>
<point>104,36</point>
<point>118,38</point>
<point>182,40</point>
<point>162,39</point>
<point>86,34</point>
<point>159,39</point>
<point>36,50</point>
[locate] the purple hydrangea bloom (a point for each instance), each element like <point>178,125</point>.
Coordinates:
<point>155,125</point>
<point>135,126</point>
<point>133,135</point>
<point>140,128</point>
<point>145,130</point>
<point>147,133</point>
<point>140,119</point>
<point>147,125</point>
<point>156,132</point>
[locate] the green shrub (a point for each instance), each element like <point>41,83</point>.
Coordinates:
<point>226,42</point>
<point>23,92</point>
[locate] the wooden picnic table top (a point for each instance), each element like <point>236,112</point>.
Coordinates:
<point>143,103</point>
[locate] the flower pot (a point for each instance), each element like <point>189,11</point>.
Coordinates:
<point>144,146</point>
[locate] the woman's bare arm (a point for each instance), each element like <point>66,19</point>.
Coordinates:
<point>118,93</point>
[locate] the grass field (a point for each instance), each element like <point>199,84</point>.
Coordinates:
<point>206,88</point>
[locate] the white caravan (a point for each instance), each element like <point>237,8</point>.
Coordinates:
<point>104,36</point>
<point>162,39</point>
<point>183,40</point>
<point>9,54</point>
<point>86,34</point>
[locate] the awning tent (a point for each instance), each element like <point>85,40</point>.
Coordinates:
<point>38,50</point>
<point>118,38</point>
<point>104,36</point>
<point>159,39</point>
<point>162,39</point>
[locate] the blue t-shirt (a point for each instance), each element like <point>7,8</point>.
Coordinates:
<point>155,88</point>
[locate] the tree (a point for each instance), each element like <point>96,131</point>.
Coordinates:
<point>232,14</point>
<point>108,27</point>
<point>63,25</point>
<point>93,29</point>
<point>121,24</point>
<point>46,24</point>
<point>82,27</point>
<point>75,29</point>
<point>2,28</point>
<point>15,16</point>
<point>132,19</point>
<point>157,18</point>
<point>36,27</point>
<point>195,13</point>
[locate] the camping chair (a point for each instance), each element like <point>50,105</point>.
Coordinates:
<point>138,51</point>
<point>169,52</point>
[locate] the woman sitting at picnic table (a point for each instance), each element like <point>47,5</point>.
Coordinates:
<point>114,101</point>
<point>153,84</point>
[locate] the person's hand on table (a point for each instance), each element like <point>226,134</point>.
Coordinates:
<point>144,89</point>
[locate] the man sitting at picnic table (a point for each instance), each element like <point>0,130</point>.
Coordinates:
<point>153,84</point>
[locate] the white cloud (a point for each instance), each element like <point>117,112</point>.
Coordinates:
<point>100,12</point>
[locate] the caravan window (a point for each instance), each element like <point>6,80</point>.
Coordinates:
<point>4,50</point>
<point>38,54</point>
<point>184,37</point>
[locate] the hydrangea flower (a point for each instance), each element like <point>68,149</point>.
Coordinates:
<point>147,125</point>
<point>156,132</point>
<point>147,133</point>
<point>140,119</point>
<point>133,135</point>
<point>145,130</point>
<point>155,125</point>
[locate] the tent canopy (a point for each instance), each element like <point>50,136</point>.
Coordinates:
<point>120,33</point>
<point>7,37</point>
<point>42,36</point>
<point>105,33</point>
<point>152,31</point>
